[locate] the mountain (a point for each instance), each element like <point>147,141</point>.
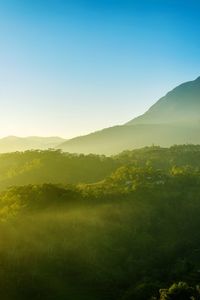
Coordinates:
<point>174,119</point>
<point>13,143</point>
<point>181,105</point>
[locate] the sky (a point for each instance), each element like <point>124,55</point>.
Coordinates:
<point>70,67</point>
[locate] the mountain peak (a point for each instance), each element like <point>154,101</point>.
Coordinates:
<point>181,105</point>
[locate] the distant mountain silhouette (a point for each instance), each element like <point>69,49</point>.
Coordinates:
<point>174,119</point>
<point>13,143</point>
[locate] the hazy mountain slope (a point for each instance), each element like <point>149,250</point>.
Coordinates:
<point>181,105</point>
<point>174,119</point>
<point>116,139</point>
<point>13,143</point>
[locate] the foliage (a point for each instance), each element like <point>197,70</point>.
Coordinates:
<point>180,291</point>
<point>121,236</point>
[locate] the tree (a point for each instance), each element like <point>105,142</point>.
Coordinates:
<point>180,291</point>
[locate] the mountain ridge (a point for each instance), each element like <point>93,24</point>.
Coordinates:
<point>175,97</point>
<point>14,143</point>
<point>173,119</point>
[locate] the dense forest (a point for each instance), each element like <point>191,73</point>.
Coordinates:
<point>88,227</point>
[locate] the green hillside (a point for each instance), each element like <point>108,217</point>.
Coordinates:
<point>123,237</point>
<point>52,166</point>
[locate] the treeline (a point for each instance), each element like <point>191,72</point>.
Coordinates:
<point>53,166</point>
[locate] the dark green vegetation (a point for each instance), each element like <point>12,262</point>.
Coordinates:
<point>174,119</point>
<point>180,291</point>
<point>37,167</point>
<point>88,227</point>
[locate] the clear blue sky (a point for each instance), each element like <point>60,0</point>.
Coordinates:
<point>71,67</point>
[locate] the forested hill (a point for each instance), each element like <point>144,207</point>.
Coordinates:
<point>126,229</point>
<point>53,166</point>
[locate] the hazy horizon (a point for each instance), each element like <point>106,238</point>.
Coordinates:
<point>69,68</point>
